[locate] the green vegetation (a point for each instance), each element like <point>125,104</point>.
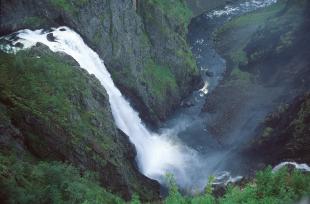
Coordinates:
<point>49,182</point>
<point>189,59</point>
<point>176,9</point>
<point>250,37</point>
<point>40,87</point>
<point>34,21</point>
<point>239,78</point>
<point>239,58</point>
<point>55,182</point>
<point>60,112</point>
<point>268,187</point>
<point>267,131</point>
<point>257,18</point>
<point>160,80</point>
<point>98,36</point>
<point>301,122</point>
<point>234,46</point>
<point>66,5</point>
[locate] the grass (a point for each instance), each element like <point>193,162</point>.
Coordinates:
<point>34,21</point>
<point>69,6</point>
<point>63,4</point>
<point>239,78</point>
<point>174,8</point>
<point>189,59</point>
<point>40,87</point>
<point>159,79</point>
<point>239,57</point>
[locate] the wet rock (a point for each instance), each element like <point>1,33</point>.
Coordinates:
<point>187,103</point>
<point>209,73</point>
<point>19,45</point>
<point>219,190</point>
<point>50,37</point>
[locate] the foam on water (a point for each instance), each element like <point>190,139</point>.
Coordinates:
<point>301,167</point>
<point>243,7</point>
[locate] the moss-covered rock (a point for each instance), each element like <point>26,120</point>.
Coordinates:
<point>165,24</point>
<point>285,134</point>
<point>57,111</point>
<point>126,37</point>
<point>267,64</point>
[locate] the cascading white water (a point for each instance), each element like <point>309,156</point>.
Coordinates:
<point>301,167</point>
<point>156,154</point>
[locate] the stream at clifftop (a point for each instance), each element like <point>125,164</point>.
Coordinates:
<point>182,146</point>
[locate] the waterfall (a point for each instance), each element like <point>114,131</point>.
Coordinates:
<point>156,154</point>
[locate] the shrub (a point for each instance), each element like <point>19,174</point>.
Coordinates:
<point>49,182</point>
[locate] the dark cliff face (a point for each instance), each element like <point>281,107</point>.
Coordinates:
<point>149,62</point>
<point>284,134</point>
<point>165,24</point>
<point>267,65</point>
<point>53,110</point>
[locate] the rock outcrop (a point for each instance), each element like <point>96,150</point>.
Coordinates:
<point>267,65</point>
<point>284,135</point>
<point>148,59</point>
<point>51,109</point>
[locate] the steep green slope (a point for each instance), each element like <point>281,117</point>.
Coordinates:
<point>133,42</point>
<point>165,24</point>
<point>54,110</point>
<point>49,182</point>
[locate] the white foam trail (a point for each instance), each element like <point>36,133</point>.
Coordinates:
<point>204,90</point>
<point>301,167</point>
<point>156,154</point>
<point>225,178</point>
<point>245,7</point>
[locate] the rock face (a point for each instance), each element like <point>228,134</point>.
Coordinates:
<point>50,109</point>
<point>268,65</point>
<point>148,59</point>
<point>165,24</point>
<point>285,134</point>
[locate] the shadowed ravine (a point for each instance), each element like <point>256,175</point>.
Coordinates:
<point>182,146</point>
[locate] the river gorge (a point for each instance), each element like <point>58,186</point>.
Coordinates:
<point>220,128</point>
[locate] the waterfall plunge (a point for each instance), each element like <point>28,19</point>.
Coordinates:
<point>156,154</point>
